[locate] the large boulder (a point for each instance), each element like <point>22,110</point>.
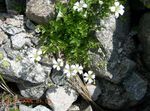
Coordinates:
<point>144,37</point>
<point>40,11</point>
<point>111,59</point>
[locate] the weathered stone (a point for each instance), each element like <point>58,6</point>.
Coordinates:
<point>30,25</point>
<point>32,90</point>
<point>19,40</point>
<point>61,98</point>
<point>40,11</point>
<point>3,37</point>
<point>58,77</point>
<point>136,87</point>
<point>94,91</point>
<point>144,36</point>
<point>37,108</point>
<point>112,97</point>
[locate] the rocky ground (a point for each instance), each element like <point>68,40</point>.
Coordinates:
<point>127,60</point>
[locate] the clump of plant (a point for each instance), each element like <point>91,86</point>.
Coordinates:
<point>71,32</point>
<point>70,35</point>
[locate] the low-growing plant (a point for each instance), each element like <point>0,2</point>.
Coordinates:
<point>71,32</point>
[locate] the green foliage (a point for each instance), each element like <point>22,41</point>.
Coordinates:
<point>73,34</point>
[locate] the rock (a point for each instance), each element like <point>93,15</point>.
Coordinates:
<point>144,36</point>
<point>94,91</point>
<point>24,108</point>
<point>40,11</point>
<point>112,97</point>
<point>37,108</point>
<point>13,24</point>
<point>61,98</point>
<point>135,86</point>
<point>30,25</point>
<point>3,37</point>
<point>108,61</point>
<point>32,90</point>
<point>19,40</point>
<point>41,108</point>
<point>58,77</point>
<point>146,3</point>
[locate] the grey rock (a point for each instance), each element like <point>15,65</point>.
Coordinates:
<point>94,91</point>
<point>58,77</point>
<point>24,108</point>
<point>61,98</point>
<point>40,108</point>
<point>32,90</point>
<point>13,24</point>
<point>19,40</point>
<point>146,3</point>
<point>135,86</point>
<point>144,36</point>
<point>40,11</point>
<point>106,61</point>
<point>112,97</point>
<point>30,25</point>
<point>3,37</point>
<point>37,108</point>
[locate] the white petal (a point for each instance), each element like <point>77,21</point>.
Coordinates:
<point>117,4</point>
<point>80,71</point>
<point>58,68</point>
<point>39,52</point>
<point>68,75</point>
<point>113,9</point>
<point>84,5</point>
<point>85,74</point>
<point>121,7</point>
<point>85,79</point>
<point>116,14</point>
<point>75,7</point>
<point>62,64</point>
<point>67,66</point>
<point>93,76</point>
<point>121,12</point>
<point>54,61</point>
<point>90,72</point>
<point>90,81</point>
<point>38,58</point>
<point>54,66</point>
<point>76,4</point>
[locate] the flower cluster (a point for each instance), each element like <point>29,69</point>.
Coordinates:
<point>117,9</point>
<point>73,70</point>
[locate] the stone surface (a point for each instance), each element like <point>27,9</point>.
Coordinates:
<point>112,97</point>
<point>31,90</point>
<point>135,86</point>
<point>3,37</point>
<point>61,98</point>
<point>110,59</point>
<point>19,40</point>
<point>94,91</point>
<point>40,11</point>
<point>144,36</point>
<point>37,108</point>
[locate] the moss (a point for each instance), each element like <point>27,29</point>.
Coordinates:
<point>102,64</point>
<point>1,55</point>
<point>18,58</point>
<point>5,64</point>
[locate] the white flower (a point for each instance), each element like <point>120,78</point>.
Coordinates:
<point>34,55</point>
<point>89,77</point>
<point>101,2</point>
<point>79,6</point>
<point>117,9</point>
<point>69,71</point>
<point>57,64</point>
<point>77,69</point>
<point>59,15</point>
